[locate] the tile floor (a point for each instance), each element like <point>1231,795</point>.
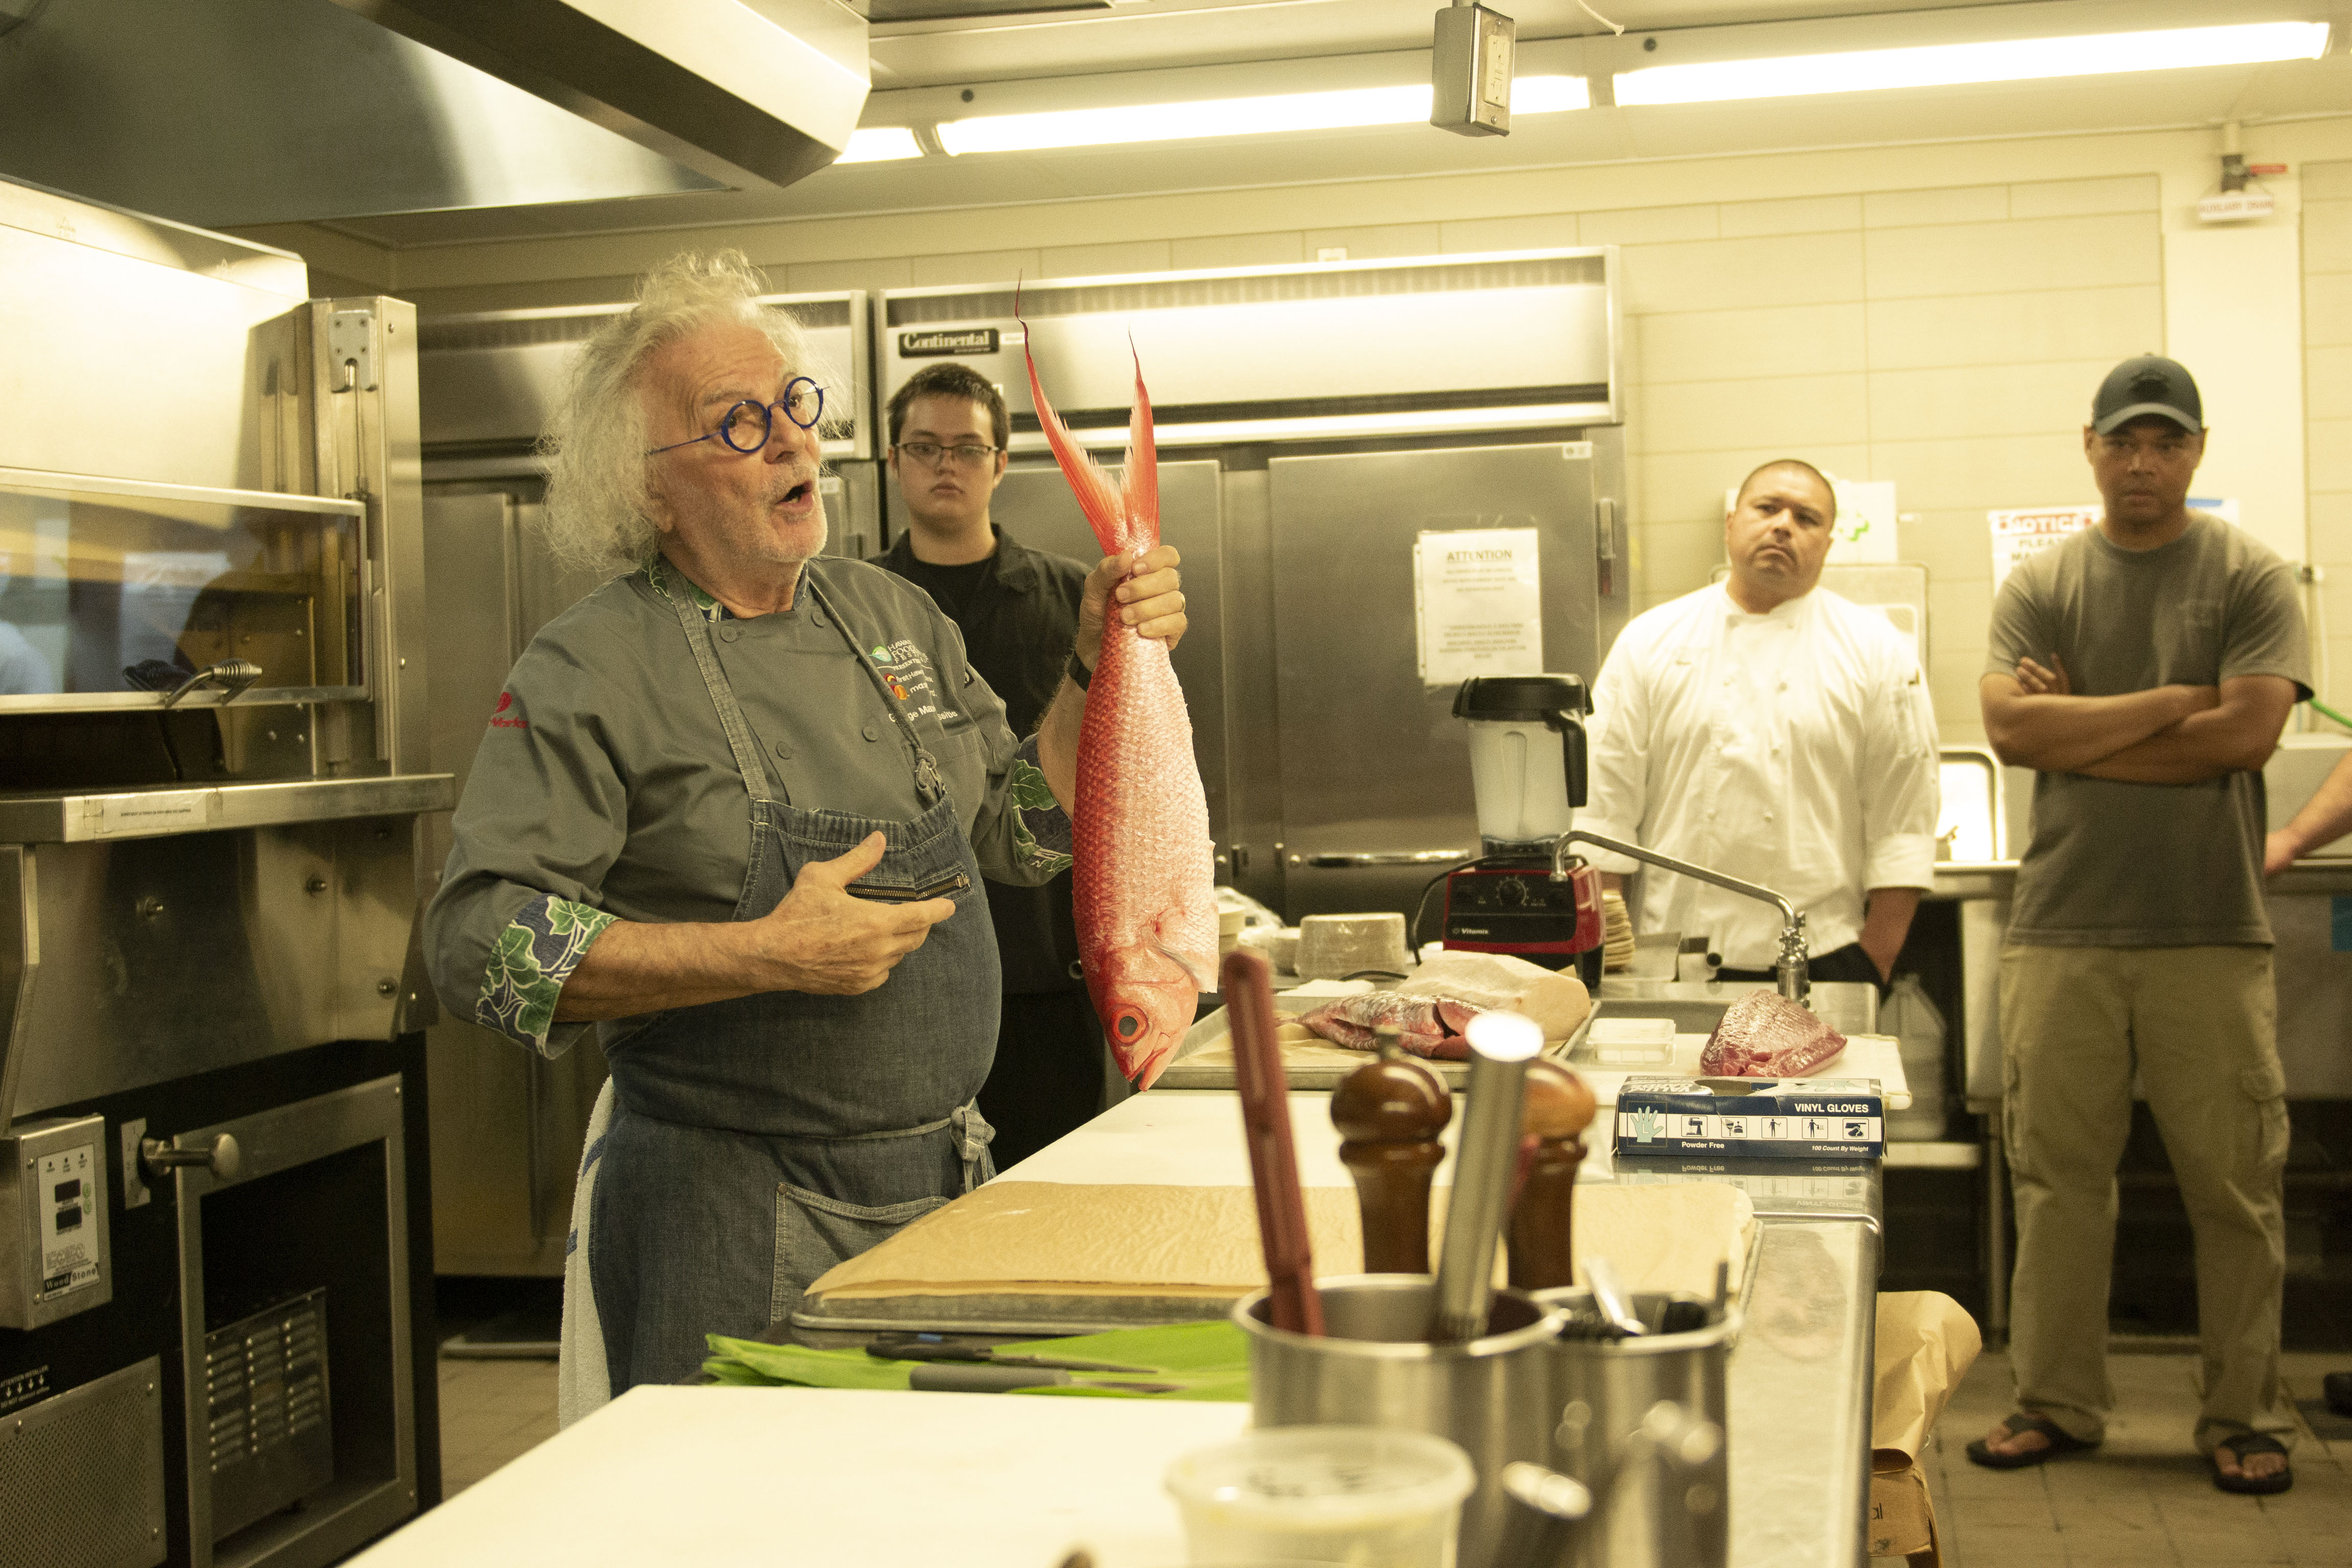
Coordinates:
<point>2142,1501</point>
<point>2143,1498</point>
<point>491,1412</point>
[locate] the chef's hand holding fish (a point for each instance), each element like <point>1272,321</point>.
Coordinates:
<point>1148,592</point>
<point>1151,597</point>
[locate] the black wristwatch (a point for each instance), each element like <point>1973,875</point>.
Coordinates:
<point>1079,674</point>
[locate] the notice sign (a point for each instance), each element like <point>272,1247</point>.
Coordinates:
<point>1478,602</point>
<point>2018,534</point>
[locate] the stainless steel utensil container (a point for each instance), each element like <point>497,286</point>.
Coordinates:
<point>1650,1510</point>
<point>1374,1366</point>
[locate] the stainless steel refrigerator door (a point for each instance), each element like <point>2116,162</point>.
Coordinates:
<point>1375,769</point>
<point>853,508</point>
<point>1034,506</point>
<point>507,1125</point>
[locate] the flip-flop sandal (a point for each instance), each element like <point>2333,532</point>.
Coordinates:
<point>2061,1442</point>
<point>2242,1446</point>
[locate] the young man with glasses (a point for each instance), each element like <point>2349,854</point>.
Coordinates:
<point>2145,667</point>
<point>1018,611</point>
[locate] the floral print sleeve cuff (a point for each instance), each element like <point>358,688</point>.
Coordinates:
<point>1041,829</point>
<point>530,963</point>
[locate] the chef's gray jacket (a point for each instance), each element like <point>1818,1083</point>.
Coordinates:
<point>604,788</point>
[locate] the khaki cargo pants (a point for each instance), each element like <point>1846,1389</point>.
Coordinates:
<point>2198,1024</point>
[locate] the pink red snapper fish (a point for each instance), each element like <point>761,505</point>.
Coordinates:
<point>1426,1026</point>
<point>1145,880</point>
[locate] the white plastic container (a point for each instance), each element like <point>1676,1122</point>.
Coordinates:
<point>1630,1042</point>
<point>1366,1496</point>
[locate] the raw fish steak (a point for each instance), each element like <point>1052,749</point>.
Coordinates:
<point>1765,1034</point>
<point>1144,884</point>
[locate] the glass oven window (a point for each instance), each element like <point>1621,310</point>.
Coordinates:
<point>115,598</point>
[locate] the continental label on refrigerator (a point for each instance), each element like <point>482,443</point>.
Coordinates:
<point>943,345</point>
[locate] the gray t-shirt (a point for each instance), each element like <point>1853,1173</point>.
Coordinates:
<point>2138,865</point>
<point>604,785</point>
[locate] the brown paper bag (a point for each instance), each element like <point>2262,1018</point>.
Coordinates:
<point>1926,1345</point>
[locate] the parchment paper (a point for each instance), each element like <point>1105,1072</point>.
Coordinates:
<point>1056,1239</point>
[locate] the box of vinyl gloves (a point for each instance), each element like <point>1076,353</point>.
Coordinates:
<point>1794,1118</point>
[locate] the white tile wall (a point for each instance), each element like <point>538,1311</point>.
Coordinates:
<point>1910,209</point>
<point>2019,328</point>
<point>1702,345</point>
<point>1947,339</point>
<point>973,267</point>
<point>2062,198</point>
<point>1201,253</point>
<point>2328,394</point>
<point>1107,260</point>
<point>1795,214</point>
<point>2016,256</point>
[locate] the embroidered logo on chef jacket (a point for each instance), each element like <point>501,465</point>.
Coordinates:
<point>502,720</point>
<point>907,669</point>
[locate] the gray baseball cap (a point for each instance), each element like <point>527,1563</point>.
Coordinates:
<point>2149,385</point>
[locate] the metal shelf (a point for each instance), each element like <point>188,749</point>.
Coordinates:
<point>32,817</point>
<point>1905,1155</point>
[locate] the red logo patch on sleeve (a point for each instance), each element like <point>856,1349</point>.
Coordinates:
<point>498,719</point>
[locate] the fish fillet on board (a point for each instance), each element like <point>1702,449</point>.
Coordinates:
<point>1145,880</point>
<point>1765,1034</point>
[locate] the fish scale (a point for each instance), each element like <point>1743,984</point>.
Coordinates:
<point>1144,883</point>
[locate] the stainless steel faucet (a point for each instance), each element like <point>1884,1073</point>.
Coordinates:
<point>1794,984</point>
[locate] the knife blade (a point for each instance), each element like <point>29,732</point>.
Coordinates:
<point>934,1350</point>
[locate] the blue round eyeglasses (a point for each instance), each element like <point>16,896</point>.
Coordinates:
<point>745,427</point>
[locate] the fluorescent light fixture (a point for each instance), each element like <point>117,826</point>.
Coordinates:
<point>1233,117</point>
<point>1947,65</point>
<point>879,144</point>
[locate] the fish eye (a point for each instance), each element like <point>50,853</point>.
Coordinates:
<point>1127,1024</point>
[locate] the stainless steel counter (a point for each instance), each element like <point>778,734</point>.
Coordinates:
<point>75,816</point>
<point>1799,1380</point>
<point>1799,1387</point>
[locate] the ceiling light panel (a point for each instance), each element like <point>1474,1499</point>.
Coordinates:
<point>1948,65</point>
<point>1354,107</point>
<point>879,143</point>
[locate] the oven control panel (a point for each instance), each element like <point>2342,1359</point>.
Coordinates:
<point>54,1256</point>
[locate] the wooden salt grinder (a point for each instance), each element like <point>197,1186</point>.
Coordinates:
<point>1559,1108</point>
<point>1390,1112</point>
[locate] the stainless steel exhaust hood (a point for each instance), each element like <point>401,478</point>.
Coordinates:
<point>251,111</point>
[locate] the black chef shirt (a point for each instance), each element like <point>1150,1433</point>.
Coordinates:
<point>1018,611</point>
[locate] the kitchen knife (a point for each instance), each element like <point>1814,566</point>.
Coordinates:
<point>935,1350</point>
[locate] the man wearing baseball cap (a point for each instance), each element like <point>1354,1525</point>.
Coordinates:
<point>2145,669</point>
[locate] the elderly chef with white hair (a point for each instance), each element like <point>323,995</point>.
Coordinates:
<point>733,808</point>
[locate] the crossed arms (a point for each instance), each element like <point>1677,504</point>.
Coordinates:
<point>2165,735</point>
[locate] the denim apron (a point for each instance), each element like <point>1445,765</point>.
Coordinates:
<point>758,1141</point>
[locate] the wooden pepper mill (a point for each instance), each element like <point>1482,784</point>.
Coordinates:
<point>1390,1112</point>
<point>1559,1108</point>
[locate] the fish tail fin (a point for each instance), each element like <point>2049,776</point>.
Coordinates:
<point>1141,474</point>
<point>1105,510</point>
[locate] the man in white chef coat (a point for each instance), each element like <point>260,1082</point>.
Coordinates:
<point>1767,729</point>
